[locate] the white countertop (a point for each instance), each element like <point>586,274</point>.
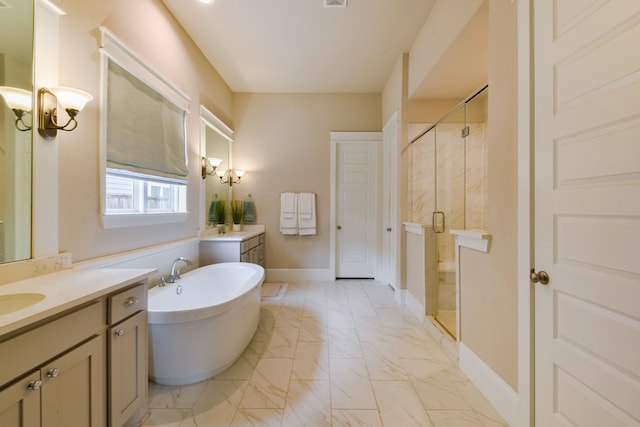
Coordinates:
<point>231,236</point>
<point>248,232</point>
<point>64,290</point>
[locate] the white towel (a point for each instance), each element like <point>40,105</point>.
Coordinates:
<point>288,213</point>
<point>306,214</point>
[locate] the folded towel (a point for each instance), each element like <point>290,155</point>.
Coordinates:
<point>288,213</point>
<point>249,211</point>
<point>306,214</point>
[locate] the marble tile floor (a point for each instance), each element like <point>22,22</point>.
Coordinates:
<point>340,353</point>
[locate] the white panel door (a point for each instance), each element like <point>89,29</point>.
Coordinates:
<point>356,209</point>
<point>587,215</point>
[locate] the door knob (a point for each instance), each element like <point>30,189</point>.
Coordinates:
<point>339,227</point>
<point>541,276</point>
<point>389,229</point>
<point>53,373</point>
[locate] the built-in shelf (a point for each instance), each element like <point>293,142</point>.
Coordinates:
<point>473,239</point>
<point>415,227</point>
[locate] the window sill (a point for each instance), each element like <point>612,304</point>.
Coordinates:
<point>138,220</point>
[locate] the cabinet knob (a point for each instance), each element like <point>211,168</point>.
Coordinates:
<point>130,301</point>
<point>53,373</point>
<point>34,385</point>
<point>119,332</point>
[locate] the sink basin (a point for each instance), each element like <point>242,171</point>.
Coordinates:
<point>14,302</point>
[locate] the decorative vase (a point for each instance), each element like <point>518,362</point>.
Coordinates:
<point>237,227</point>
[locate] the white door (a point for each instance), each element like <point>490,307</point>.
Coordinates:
<point>390,202</point>
<point>587,215</point>
<point>356,212</point>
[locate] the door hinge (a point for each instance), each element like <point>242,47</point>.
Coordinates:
<point>465,132</point>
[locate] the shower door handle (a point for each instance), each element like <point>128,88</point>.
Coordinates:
<point>437,222</point>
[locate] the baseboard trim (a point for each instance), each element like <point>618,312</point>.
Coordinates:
<point>415,307</point>
<point>297,274</point>
<point>442,337</point>
<point>494,388</point>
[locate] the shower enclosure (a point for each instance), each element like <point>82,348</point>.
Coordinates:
<point>447,189</point>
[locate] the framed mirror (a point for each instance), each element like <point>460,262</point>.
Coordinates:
<point>216,157</point>
<point>16,104</point>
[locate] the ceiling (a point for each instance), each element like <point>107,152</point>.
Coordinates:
<point>300,46</point>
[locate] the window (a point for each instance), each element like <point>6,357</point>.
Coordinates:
<point>130,194</point>
<point>144,141</point>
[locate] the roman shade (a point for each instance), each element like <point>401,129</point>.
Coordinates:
<point>146,132</point>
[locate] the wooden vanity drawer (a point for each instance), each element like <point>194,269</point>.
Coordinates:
<point>127,302</point>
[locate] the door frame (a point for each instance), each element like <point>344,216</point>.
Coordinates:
<point>526,227</point>
<point>351,137</point>
<point>390,251</point>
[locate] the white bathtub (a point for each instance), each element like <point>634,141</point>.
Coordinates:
<point>199,332</point>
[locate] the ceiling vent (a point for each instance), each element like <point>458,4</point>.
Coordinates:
<point>331,3</point>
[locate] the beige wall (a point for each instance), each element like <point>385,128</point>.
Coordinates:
<point>394,91</point>
<point>444,24</point>
<point>282,141</point>
<point>488,281</point>
<point>148,29</point>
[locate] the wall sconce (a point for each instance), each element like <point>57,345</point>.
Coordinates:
<point>19,100</point>
<point>210,163</point>
<point>70,99</point>
<point>230,176</point>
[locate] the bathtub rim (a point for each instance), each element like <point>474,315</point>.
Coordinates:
<point>160,317</point>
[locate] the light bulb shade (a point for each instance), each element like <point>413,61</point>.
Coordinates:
<point>16,99</point>
<point>221,173</point>
<point>71,98</point>
<point>214,161</point>
<point>238,173</point>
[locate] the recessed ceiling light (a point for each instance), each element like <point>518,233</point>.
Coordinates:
<point>335,3</point>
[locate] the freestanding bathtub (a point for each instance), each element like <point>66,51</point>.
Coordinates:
<point>199,325</point>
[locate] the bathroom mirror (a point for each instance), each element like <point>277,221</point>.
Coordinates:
<point>216,143</point>
<point>16,71</point>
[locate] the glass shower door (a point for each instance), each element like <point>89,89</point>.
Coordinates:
<point>449,212</point>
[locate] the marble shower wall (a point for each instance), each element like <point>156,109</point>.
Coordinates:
<point>448,170</point>
<point>476,181</point>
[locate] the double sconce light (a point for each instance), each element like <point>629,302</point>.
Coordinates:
<point>210,163</point>
<point>70,99</point>
<point>18,100</point>
<point>230,176</point>
<point>210,166</point>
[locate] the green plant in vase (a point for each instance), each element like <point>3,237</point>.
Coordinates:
<point>236,214</point>
<point>220,214</point>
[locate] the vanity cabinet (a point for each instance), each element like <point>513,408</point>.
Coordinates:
<point>128,348</point>
<point>86,366</point>
<point>226,249</point>
<point>72,391</point>
<point>65,383</point>
<point>20,402</point>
